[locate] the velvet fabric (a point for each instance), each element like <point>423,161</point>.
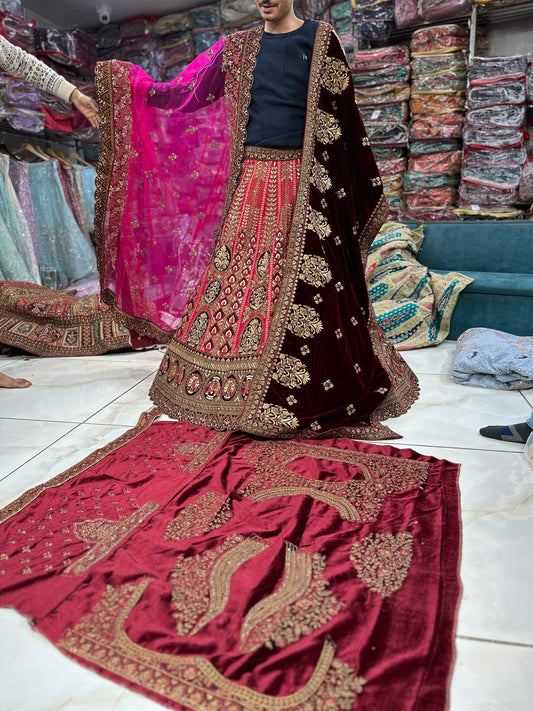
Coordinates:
<point>227,572</point>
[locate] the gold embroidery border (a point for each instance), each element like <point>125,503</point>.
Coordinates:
<point>263,374</point>
<point>165,664</point>
<point>264,153</point>
<point>145,420</point>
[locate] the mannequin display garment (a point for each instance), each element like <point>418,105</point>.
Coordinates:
<point>248,260</point>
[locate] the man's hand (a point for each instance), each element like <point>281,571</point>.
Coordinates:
<point>87,106</point>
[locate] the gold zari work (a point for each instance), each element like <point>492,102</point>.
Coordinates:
<point>320,177</point>
<point>328,128</point>
<point>304,321</point>
<point>315,270</point>
<point>277,415</point>
<point>209,512</point>
<point>290,372</point>
<point>382,560</point>
<point>335,77</point>
<point>318,223</point>
<point>301,605</point>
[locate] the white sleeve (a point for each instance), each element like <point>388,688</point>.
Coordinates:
<point>16,61</point>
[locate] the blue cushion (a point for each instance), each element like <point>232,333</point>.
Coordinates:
<point>498,283</point>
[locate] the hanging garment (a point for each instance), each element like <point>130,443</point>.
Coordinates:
<point>19,174</point>
<point>13,254</point>
<point>72,197</point>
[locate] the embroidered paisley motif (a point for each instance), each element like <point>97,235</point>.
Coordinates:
<point>335,76</point>
<point>290,372</point>
<point>251,336</point>
<point>262,265</point>
<point>317,222</point>
<point>304,321</point>
<point>222,258</point>
<point>328,128</point>
<point>315,270</point>
<point>212,290</point>
<point>279,416</point>
<point>320,177</point>
<point>382,560</point>
<point>258,297</point>
<point>198,329</point>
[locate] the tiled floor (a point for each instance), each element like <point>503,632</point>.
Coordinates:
<point>76,405</point>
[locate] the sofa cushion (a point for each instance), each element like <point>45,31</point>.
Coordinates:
<point>498,283</point>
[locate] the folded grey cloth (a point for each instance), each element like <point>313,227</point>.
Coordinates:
<point>493,359</point>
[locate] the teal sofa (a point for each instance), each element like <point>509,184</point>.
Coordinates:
<point>498,255</point>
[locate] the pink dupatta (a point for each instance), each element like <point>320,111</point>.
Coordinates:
<point>161,186</point>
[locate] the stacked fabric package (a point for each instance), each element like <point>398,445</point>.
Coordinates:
<point>206,27</point>
<point>174,45</point>
<point>438,89</point>
<point>138,44</point>
<point>413,12</point>
<point>17,30</point>
<point>525,190</point>
<point>494,138</point>
<point>374,20</point>
<point>381,81</point>
<point>341,19</point>
<point>108,41</point>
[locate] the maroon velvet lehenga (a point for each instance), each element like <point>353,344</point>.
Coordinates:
<point>249,263</point>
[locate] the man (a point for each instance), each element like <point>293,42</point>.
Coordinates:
<point>252,198</point>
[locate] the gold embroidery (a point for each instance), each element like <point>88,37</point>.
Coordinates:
<point>327,385</point>
<point>277,415</point>
<point>328,128</point>
<point>201,583</point>
<point>338,333</point>
<point>317,222</point>
<point>198,328</point>
<point>209,512</point>
<point>100,638</point>
<point>222,258</point>
<point>252,336</point>
<point>317,299</point>
<point>290,372</point>
<point>339,286</point>
<point>315,270</point>
<point>301,605</point>
<point>338,241</point>
<point>359,498</point>
<point>350,409</point>
<point>304,321</point>
<point>212,291</point>
<point>335,76</point>
<point>382,560</point>
<point>366,141</point>
<point>264,153</point>
<point>375,182</point>
<point>315,426</point>
<point>291,400</point>
<point>320,177</point>
<point>262,265</point>
<point>104,536</point>
<point>304,350</point>
<point>341,193</point>
<point>258,297</point>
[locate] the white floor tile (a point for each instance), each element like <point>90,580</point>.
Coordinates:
<point>23,439</point>
<point>125,410</point>
<point>491,676</point>
<point>436,359</point>
<point>58,457</point>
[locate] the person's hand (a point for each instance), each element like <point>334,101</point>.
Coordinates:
<point>87,106</point>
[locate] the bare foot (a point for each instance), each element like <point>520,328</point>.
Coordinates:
<point>7,382</point>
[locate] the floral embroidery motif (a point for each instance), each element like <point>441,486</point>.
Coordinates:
<point>104,536</point>
<point>382,560</point>
<point>222,258</point>
<point>279,416</point>
<point>212,291</point>
<point>335,77</point>
<point>201,583</point>
<point>207,513</point>
<point>100,638</point>
<point>315,270</point>
<point>318,223</point>
<point>258,297</point>
<point>304,321</point>
<point>328,128</point>
<point>290,372</point>
<point>251,337</point>
<point>301,605</point>
<point>320,177</point>
<point>198,329</point>
<point>327,384</point>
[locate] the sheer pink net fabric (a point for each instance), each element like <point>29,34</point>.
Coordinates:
<point>163,180</point>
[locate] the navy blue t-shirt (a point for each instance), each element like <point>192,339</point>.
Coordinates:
<point>279,91</point>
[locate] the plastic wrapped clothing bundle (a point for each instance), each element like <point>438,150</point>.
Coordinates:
<point>238,13</point>
<point>512,92</point>
<point>489,212</point>
<point>493,176</point>
<point>386,153</point>
<point>516,156</point>
<point>136,28</point>
<point>432,198</point>
<point>529,83</point>
<point>448,163</point>
<point>393,166</point>
<point>383,133</point>
<point>17,30</point>
<point>426,214</point>
<point>27,120</point>
<point>207,16</point>
<point>384,94</point>
<point>493,137</point>
<point>366,60</point>
<point>203,39</point>
<point>437,127</point>
<point>180,50</point>
<point>387,112</point>
<point>498,116</point>
<point>416,182</point>
<point>444,83</point>
<point>21,93</point>
<point>432,64</point>
<point>435,10</point>
<point>392,183</point>
<point>474,194</point>
<point>374,30</point>
<point>525,188</point>
<point>384,75</point>
<point>440,39</point>
<point>107,37</point>
<point>489,70</point>
<point>436,104</point>
<point>406,13</point>
<point>423,147</point>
